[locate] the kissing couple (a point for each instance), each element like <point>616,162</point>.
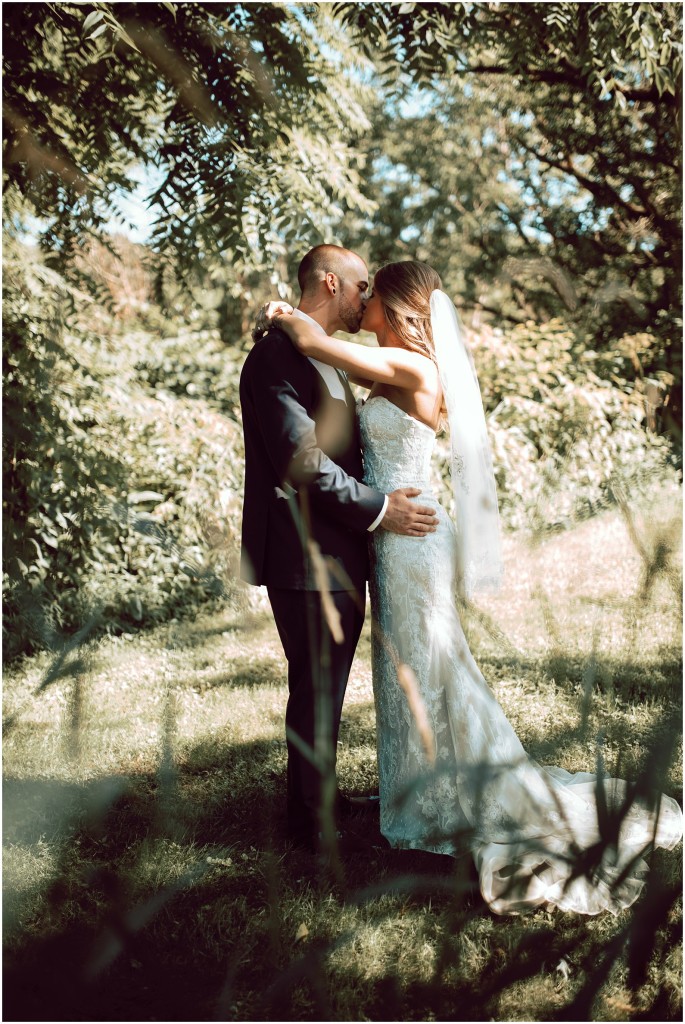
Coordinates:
<point>334,497</point>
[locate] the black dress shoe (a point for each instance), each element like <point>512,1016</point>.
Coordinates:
<point>351,806</point>
<point>343,842</point>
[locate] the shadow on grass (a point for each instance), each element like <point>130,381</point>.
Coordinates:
<point>630,680</point>
<point>114,931</point>
<point>192,635</point>
<point>243,674</point>
<point>175,896</point>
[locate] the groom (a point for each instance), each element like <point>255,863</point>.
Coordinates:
<point>306,521</point>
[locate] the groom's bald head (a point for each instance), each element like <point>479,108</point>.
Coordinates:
<point>323,260</point>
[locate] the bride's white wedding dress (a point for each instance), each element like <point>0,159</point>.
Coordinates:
<point>526,825</point>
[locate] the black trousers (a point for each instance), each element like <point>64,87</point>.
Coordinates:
<point>318,669</point>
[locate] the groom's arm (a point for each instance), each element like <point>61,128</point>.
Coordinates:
<point>278,386</point>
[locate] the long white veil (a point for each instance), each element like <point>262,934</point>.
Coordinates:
<point>473,479</point>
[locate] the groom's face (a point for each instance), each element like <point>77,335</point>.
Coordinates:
<point>353,284</point>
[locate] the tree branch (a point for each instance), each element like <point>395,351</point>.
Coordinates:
<point>633,95</point>
<point>599,189</point>
<point>516,222</point>
<point>475,306</point>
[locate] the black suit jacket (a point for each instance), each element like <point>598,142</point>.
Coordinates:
<point>303,468</point>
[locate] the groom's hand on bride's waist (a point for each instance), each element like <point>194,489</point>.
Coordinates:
<point>407,517</point>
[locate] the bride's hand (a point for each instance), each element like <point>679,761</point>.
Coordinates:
<point>266,315</point>
<point>309,339</point>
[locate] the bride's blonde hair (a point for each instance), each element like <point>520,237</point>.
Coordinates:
<point>405,291</point>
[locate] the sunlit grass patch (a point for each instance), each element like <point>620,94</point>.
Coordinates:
<point>145,822</point>
<point>28,869</point>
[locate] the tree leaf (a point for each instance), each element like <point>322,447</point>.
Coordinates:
<point>92,19</point>
<point>139,497</point>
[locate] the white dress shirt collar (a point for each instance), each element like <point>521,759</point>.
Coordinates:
<point>330,375</point>
<point>305,316</point>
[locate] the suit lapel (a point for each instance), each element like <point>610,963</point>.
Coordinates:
<point>331,379</point>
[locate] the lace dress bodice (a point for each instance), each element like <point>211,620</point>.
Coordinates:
<point>397,447</point>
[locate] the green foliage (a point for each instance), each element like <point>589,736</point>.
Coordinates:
<point>119,500</point>
<point>563,434</point>
<point>539,166</point>
<point>611,49</point>
<point>245,125</point>
<point>540,174</point>
<point>56,459</point>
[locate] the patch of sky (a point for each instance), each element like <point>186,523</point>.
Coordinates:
<point>323,39</point>
<point>594,220</point>
<point>417,103</point>
<point>28,229</point>
<point>537,234</point>
<point>529,222</point>
<point>561,191</point>
<point>391,173</point>
<point>131,214</point>
<point>523,117</point>
<point>410,234</point>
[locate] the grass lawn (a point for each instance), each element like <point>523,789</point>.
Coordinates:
<point>146,872</point>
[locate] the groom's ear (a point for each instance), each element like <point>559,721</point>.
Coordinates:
<point>331,282</point>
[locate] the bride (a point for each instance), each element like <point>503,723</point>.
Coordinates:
<point>451,768</point>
